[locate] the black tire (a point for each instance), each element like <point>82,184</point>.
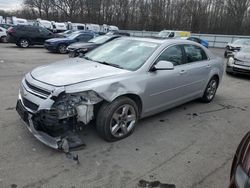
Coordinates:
<point>62,48</point>
<point>24,43</point>
<point>105,119</point>
<point>210,90</point>
<point>225,54</point>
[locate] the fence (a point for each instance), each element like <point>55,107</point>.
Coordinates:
<point>216,41</point>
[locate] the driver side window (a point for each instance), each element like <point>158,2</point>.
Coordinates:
<point>172,54</point>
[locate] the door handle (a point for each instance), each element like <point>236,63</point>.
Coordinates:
<point>208,66</point>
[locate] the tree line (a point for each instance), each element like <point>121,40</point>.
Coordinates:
<point>197,16</point>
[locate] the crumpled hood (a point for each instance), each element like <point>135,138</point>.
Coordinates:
<point>235,45</point>
<point>78,45</point>
<point>242,56</point>
<point>71,71</point>
<point>58,39</point>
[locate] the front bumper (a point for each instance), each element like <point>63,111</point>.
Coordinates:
<point>50,47</point>
<point>27,118</point>
<point>66,141</point>
<point>238,69</point>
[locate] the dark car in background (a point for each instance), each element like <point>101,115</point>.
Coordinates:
<point>199,40</point>
<point>239,62</point>
<point>240,171</point>
<point>236,46</point>
<point>26,35</point>
<point>66,33</point>
<point>80,48</point>
<point>117,32</point>
<point>59,45</point>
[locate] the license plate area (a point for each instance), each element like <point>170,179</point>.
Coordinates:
<point>71,54</point>
<point>23,113</point>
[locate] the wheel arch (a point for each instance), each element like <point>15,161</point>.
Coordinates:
<point>26,38</point>
<point>136,98</point>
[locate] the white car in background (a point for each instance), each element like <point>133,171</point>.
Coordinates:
<point>3,34</point>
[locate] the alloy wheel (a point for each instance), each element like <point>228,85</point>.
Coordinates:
<point>123,121</point>
<point>211,89</point>
<point>24,43</point>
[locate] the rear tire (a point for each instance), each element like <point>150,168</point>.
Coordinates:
<point>117,120</point>
<point>210,90</point>
<point>62,48</point>
<point>24,43</point>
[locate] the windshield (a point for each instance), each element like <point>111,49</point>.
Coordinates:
<point>246,50</point>
<point>101,39</point>
<point>242,42</point>
<point>125,53</point>
<point>164,33</point>
<point>73,36</point>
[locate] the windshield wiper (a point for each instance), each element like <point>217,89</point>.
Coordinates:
<point>110,64</point>
<point>104,63</point>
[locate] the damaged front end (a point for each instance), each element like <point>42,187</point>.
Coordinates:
<point>58,123</point>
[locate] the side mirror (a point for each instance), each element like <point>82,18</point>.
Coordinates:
<point>163,65</point>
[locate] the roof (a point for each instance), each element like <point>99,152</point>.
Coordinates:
<point>158,41</point>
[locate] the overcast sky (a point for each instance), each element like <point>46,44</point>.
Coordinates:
<point>10,4</point>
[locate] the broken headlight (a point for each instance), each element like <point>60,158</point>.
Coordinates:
<point>67,103</point>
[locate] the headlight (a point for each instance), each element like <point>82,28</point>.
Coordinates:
<point>83,50</point>
<point>241,178</point>
<point>66,104</point>
<point>230,61</point>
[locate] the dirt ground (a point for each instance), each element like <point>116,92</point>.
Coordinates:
<point>191,146</point>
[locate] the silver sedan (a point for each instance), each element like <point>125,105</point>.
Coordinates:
<point>114,86</point>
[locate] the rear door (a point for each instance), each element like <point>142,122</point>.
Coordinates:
<point>42,35</point>
<point>84,37</point>
<point>195,70</point>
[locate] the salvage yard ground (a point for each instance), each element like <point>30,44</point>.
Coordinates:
<point>191,146</point>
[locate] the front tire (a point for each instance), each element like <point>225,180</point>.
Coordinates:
<point>117,120</point>
<point>210,90</point>
<point>24,43</point>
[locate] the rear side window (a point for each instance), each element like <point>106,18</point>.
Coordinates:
<point>44,31</point>
<point>172,54</point>
<point>194,53</point>
<point>84,37</point>
<point>79,27</point>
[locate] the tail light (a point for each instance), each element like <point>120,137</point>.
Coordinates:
<point>10,30</point>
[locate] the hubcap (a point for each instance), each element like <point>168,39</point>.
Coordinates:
<point>211,90</point>
<point>123,121</point>
<point>62,49</point>
<point>24,43</point>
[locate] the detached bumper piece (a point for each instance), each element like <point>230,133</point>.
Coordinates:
<point>45,126</point>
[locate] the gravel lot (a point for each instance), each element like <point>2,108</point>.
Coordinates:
<point>191,146</point>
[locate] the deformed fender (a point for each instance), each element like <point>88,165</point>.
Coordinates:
<point>114,90</point>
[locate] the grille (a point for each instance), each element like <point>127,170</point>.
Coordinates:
<point>38,90</point>
<point>241,70</point>
<point>30,104</point>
